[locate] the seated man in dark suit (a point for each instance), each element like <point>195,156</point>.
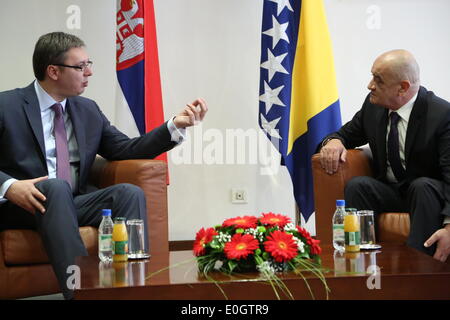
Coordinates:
<point>49,138</point>
<point>408,130</point>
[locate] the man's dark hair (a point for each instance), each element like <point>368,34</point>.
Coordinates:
<point>51,48</point>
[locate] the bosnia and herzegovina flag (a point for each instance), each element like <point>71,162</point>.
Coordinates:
<point>139,106</point>
<point>299,102</point>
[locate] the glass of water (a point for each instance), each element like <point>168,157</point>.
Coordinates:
<point>367,229</point>
<point>136,239</point>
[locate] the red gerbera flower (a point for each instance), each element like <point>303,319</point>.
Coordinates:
<point>305,234</point>
<point>241,222</point>
<point>315,248</point>
<point>202,238</point>
<point>274,219</point>
<point>314,244</point>
<point>240,246</point>
<point>281,246</point>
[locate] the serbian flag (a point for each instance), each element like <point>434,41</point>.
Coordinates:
<point>299,103</point>
<point>139,106</point>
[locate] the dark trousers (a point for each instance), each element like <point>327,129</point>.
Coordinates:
<point>65,213</point>
<point>423,199</point>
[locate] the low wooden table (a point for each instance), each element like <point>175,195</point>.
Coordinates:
<point>400,273</point>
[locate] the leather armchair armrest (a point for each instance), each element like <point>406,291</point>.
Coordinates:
<point>151,176</point>
<point>328,188</point>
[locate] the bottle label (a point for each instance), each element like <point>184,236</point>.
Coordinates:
<point>352,238</point>
<point>105,242</point>
<point>338,232</point>
<point>121,247</point>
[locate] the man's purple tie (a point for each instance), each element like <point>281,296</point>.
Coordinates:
<point>62,148</point>
<point>394,148</point>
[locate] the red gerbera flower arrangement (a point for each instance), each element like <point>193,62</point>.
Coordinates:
<point>266,243</point>
<point>269,244</point>
<point>240,246</point>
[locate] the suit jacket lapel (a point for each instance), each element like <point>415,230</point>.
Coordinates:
<point>33,113</point>
<point>78,128</point>
<point>382,121</point>
<point>415,119</point>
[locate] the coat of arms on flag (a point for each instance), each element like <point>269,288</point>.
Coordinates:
<point>130,34</point>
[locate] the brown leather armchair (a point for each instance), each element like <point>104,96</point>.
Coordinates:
<point>24,266</point>
<point>392,226</point>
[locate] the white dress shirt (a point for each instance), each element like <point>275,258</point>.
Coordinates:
<point>404,112</point>
<point>177,135</point>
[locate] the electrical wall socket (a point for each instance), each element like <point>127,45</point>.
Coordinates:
<point>238,195</point>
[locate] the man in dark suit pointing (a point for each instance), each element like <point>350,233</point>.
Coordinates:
<point>408,130</point>
<point>49,137</point>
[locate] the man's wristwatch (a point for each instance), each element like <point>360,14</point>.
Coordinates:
<point>328,140</point>
<point>324,142</point>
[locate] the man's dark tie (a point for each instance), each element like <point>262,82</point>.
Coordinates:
<point>394,148</point>
<point>62,148</point>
